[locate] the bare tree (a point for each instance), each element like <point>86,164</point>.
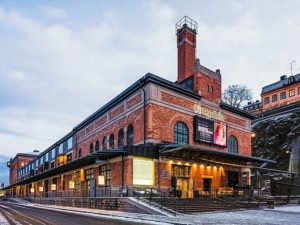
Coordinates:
<point>235,95</point>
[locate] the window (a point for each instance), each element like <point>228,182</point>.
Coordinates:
<point>97,146</point>
<point>79,153</point>
<point>130,135</point>
<point>274,98</point>
<point>181,133</point>
<point>53,153</point>
<point>180,170</point>
<point>69,157</point>
<point>111,141</point>
<point>70,143</point>
<point>232,144</point>
<point>267,100</point>
<point>104,170</point>
<point>52,165</point>
<point>91,148</point>
<point>121,138</point>
<point>298,90</point>
<point>104,143</point>
<point>282,95</point>
<point>60,150</point>
<point>47,157</point>
<point>291,92</point>
<point>212,89</point>
<point>207,87</point>
<point>188,83</point>
<point>89,174</point>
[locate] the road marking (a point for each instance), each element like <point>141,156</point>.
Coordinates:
<point>27,222</point>
<point>3,221</point>
<point>7,212</point>
<point>21,214</point>
<point>14,221</point>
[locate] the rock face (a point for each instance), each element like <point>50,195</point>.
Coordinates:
<point>276,138</point>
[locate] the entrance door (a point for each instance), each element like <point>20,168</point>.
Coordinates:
<point>207,184</point>
<point>183,187</point>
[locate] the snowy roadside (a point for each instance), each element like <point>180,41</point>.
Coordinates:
<point>280,215</point>
<point>3,221</point>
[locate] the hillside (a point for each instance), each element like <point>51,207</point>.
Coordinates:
<point>274,136</point>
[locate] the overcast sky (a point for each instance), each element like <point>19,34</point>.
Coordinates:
<point>62,60</point>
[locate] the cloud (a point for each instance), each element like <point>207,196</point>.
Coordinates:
<point>52,12</point>
<point>54,75</point>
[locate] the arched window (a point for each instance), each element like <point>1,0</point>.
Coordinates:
<point>111,141</point>
<point>181,133</point>
<point>91,148</point>
<point>130,135</point>
<point>79,153</point>
<point>104,143</point>
<point>97,145</point>
<point>232,144</point>
<point>121,138</point>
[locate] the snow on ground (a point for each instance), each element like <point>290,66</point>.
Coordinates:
<point>3,221</point>
<point>286,215</point>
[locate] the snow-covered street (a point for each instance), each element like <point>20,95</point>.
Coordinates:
<point>280,215</point>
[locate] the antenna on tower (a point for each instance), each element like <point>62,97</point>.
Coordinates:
<point>291,64</point>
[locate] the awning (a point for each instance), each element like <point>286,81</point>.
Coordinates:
<point>192,151</point>
<point>73,165</point>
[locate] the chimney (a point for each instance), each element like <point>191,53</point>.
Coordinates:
<point>186,31</point>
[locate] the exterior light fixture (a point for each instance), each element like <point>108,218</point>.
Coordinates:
<point>253,135</point>
<point>31,190</point>
<point>194,164</point>
<point>187,164</point>
<point>170,161</point>
<point>179,163</point>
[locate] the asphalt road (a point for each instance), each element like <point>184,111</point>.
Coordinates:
<point>25,215</point>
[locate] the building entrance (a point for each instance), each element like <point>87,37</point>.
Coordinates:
<point>183,187</point>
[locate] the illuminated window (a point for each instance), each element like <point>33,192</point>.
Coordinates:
<point>143,171</point>
<point>89,174</point>
<point>291,92</point>
<point>121,138</point>
<point>181,133</point>
<point>104,170</point>
<point>180,170</point>
<point>111,141</point>
<point>97,146</point>
<point>130,135</point>
<point>104,143</point>
<point>232,144</point>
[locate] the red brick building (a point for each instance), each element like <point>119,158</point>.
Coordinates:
<point>157,133</point>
